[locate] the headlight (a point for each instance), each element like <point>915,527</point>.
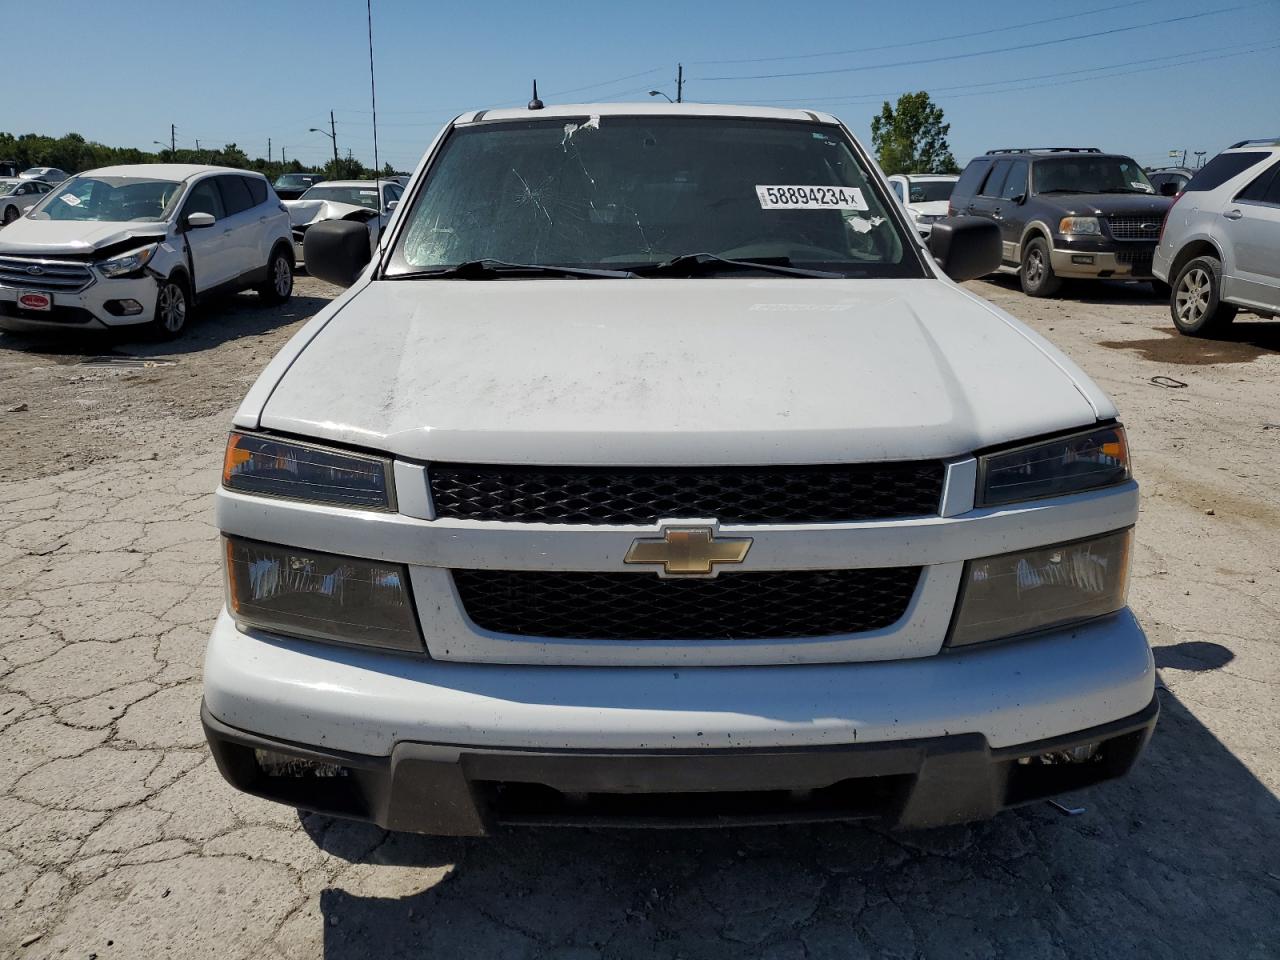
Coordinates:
<point>126,263</point>
<point>299,471</point>
<point>1080,227</point>
<point>306,594</point>
<point>1082,461</point>
<point>1047,587</point>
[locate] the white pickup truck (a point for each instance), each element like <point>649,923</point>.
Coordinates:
<point>654,471</point>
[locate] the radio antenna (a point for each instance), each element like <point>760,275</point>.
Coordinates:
<point>535,103</point>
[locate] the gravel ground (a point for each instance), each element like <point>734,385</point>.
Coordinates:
<point>119,839</point>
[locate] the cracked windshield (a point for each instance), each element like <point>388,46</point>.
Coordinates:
<point>631,192</point>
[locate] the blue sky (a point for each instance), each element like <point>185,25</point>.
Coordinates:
<point>246,70</point>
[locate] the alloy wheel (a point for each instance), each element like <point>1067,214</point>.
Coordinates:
<point>282,277</point>
<point>1034,268</point>
<point>1192,298</point>
<point>173,307</point>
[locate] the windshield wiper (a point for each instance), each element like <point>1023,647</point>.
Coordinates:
<point>700,264</point>
<point>1125,190</point>
<point>489,269</point>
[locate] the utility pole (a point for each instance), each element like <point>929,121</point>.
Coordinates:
<point>173,139</point>
<point>679,83</point>
<point>333,135</point>
<point>268,150</point>
<point>282,159</point>
<point>1199,159</point>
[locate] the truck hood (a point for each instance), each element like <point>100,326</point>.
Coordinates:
<point>53,237</point>
<point>672,372</point>
<point>1110,204</point>
<point>930,208</point>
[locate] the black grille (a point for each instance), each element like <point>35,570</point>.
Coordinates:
<point>733,606</point>
<point>1136,228</point>
<point>1138,260</point>
<point>803,494</point>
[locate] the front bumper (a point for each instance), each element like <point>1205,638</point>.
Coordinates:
<point>1131,262</point>
<point>86,309</point>
<point>464,791</point>
<point>939,735</point>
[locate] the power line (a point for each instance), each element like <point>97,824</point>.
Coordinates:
<point>866,97</point>
<point>915,43</point>
<point>605,83</point>
<point>982,53</point>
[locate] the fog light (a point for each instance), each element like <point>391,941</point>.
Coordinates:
<point>123,308</point>
<point>1085,258</point>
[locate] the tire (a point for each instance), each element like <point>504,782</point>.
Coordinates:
<point>1036,274</point>
<point>10,214</point>
<point>1161,289</point>
<point>1195,304</point>
<point>278,287</point>
<point>173,309</point>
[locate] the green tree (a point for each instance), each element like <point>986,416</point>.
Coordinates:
<point>912,138</point>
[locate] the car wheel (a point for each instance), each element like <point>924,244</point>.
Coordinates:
<point>173,309</point>
<point>279,284</point>
<point>10,215</point>
<point>1037,276</point>
<point>1161,289</point>
<point>1196,304</point>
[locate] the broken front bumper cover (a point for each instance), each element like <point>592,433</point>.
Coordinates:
<point>464,791</point>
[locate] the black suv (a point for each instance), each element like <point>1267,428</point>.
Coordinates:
<point>1065,212</point>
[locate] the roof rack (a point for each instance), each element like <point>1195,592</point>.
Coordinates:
<point>1255,143</point>
<point>1045,150</point>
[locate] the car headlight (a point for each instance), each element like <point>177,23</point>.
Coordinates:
<point>320,596</point>
<point>1080,227</point>
<point>1016,593</point>
<point>127,263</point>
<point>1081,461</point>
<point>269,466</point>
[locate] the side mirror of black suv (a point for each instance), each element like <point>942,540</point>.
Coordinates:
<point>966,247</point>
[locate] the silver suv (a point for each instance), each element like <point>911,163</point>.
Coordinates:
<point>1220,247</point>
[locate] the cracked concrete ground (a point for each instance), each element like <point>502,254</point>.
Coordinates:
<point>119,839</point>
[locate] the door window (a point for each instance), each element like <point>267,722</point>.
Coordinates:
<point>236,197</point>
<point>995,179</point>
<point>257,189</point>
<point>1264,189</point>
<point>204,198</point>
<point>897,189</point>
<point>1015,185</point>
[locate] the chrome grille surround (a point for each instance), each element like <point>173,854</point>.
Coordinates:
<point>51,275</point>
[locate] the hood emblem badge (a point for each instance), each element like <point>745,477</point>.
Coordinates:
<point>688,551</point>
<point>35,271</point>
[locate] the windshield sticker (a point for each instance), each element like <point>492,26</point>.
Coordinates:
<point>1139,185</point>
<point>794,197</point>
<point>368,193</point>
<point>71,199</point>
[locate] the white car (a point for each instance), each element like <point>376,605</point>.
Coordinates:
<point>49,175</point>
<point>17,196</point>
<point>1219,249</point>
<point>925,195</point>
<point>367,201</point>
<point>142,244</point>
<point>628,484</point>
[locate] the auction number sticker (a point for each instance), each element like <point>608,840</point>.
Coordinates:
<point>796,197</point>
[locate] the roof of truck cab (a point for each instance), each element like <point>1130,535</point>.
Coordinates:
<point>162,171</point>
<point>648,109</point>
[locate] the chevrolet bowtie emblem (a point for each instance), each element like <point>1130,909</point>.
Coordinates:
<point>688,551</point>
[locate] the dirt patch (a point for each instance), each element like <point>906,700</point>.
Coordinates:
<point>1242,343</point>
<point>78,398</point>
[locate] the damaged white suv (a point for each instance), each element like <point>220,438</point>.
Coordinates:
<point>143,244</point>
<point>653,471</point>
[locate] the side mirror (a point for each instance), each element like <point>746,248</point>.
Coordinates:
<point>1020,199</point>
<point>196,221</point>
<point>336,250</point>
<point>1169,189</point>
<point>392,204</point>
<point>966,247</point>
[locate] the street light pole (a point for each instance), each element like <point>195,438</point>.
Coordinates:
<point>332,135</point>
